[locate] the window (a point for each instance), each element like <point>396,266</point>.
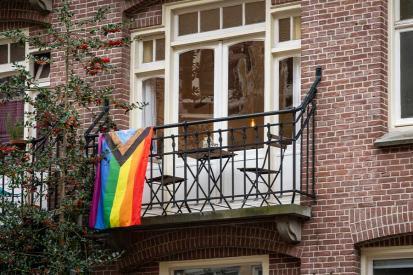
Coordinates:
<point>387,261</point>
<point>40,67</point>
<point>223,17</point>
<point>11,113</point>
<point>12,52</point>
<point>150,52</point>
<point>402,82</point>
<point>251,265</point>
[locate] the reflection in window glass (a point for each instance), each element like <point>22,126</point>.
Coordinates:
<point>4,52</point>
<point>196,92</point>
<point>147,51</point>
<point>393,267</point>
<point>284,29</point>
<point>17,52</point>
<point>42,66</point>
<point>160,49</point>
<point>232,16</point>
<point>297,28</point>
<point>229,270</point>
<point>188,23</point>
<point>286,95</point>
<point>10,111</point>
<point>406,72</point>
<point>153,94</point>
<point>254,12</point>
<point>153,113</point>
<point>210,20</point>
<point>246,91</point>
<point>406,9</point>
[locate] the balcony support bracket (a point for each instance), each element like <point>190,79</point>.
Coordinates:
<point>289,229</point>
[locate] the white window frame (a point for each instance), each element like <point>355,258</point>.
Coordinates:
<point>198,6</point>
<point>167,268</point>
<point>142,71</point>
<point>368,255</point>
<point>395,28</point>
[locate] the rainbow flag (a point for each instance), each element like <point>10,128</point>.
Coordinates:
<point>120,176</point>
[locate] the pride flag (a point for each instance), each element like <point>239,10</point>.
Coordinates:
<point>120,176</point>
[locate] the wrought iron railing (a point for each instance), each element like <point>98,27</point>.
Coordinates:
<point>234,162</point>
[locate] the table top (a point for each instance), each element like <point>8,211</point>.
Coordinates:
<point>212,153</point>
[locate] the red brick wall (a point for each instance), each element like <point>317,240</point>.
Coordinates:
<point>120,58</point>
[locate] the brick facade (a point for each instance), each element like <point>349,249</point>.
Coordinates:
<point>364,194</point>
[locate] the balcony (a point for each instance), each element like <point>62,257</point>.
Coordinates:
<point>257,165</point>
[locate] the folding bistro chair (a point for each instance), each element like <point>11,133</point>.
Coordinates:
<point>262,174</point>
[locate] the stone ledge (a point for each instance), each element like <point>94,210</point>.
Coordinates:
<point>289,210</point>
<point>394,139</point>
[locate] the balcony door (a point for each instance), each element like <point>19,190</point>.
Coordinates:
<point>223,79</point>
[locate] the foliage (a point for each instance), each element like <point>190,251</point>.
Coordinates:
<point>42,234</point>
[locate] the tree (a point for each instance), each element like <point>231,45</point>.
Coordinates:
<point>35,239</point>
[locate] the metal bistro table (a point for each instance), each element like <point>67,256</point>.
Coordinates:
<point>203,159</point>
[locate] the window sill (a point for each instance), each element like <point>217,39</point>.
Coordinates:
<point>394,139</point>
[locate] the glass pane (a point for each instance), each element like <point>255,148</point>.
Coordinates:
<point>153,94</point>
<point>11,112</point>
<point>406,72</point>
<point>284,29</point>
<point>4,51</point>
<point>246,91</point>
<point>188,23</point>
<point>393,267</point>
<point>232,16</point>
<point>244,269</point>
<point>17,52</point>
<point>297,28</point>
<point>160,49</point>
<point>196,93</point>
<point>147,51</point>
<point>286,95</point>
<point>210,20</point>
<point>153,113</point>
<point>406,9</point>
<point>254,12</point>
<point>42,66</point>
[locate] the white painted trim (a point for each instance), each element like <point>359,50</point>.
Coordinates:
<point>382,253</point>
<point>396,123</point>
<point>167,268</point>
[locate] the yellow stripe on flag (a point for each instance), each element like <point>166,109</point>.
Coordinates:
<point>126,207</point>
<point>120,193</point>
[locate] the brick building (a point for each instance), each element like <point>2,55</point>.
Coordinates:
<point>323,186</point>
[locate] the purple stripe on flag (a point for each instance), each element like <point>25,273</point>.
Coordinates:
<point>96,191</point>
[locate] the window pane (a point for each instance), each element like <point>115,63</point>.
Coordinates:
<point>10,112</point>
<point>284,29</point>
<point>153,94</point>
<point>406,72</point>
<point>4,53</point>
<point>196,92</point>
<point>210,20</point>
<point>160,49</point>
<point>246,90</point>
<point>188,23</point>
<point>232,16</point>
<point>147,51</point>
<point>297,28</point>
<point>286,95</point>
<point>42,66</point>
<point>406,9</point>
<point>254,12</point>
<point>228,270</point>
<point>393,267</point>
<point>17,52</point>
